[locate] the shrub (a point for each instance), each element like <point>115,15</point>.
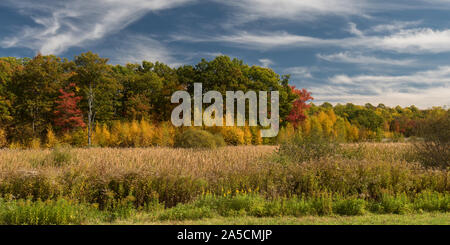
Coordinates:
<point>396,204</point>
<point>233,135</point>
<point>256,136</point>
<point>119,209</point>
<point>59,156</point>
<point>434,150</point>
<point>35,143</point>
<point>297,207</point>
<point>432,201</point>
<point>165,134</point>
<point>219,140</point>
<point>79,138</point>
<point>322,204</point>
<point>351,206</point>
<point>195,138</point>
<point>301,149</point>
<point>52,140</point>
<point>26,212</point>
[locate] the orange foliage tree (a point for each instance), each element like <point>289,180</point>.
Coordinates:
<point>67,115</point>
<point>299,106</point>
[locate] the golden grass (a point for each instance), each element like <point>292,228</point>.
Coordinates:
<point>99,175</point>
<point>155,159</point>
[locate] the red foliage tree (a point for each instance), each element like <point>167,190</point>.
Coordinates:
<point>299,106</point>
<point>68,115</point>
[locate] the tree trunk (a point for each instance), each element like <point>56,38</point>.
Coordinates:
<point>91,113</point>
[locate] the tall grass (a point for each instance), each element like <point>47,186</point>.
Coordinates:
<point>138,177</point>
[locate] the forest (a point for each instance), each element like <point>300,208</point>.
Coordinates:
<point>48,100</point>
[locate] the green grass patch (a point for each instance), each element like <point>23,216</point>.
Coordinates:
<point>26,212</point>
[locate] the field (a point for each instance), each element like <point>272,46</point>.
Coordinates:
<point>370,219</point>
<point>367,183</point>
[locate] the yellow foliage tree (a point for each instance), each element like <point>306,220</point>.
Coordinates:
<point>147,133</point>
<point>52,140</point>
<point>316,127</point>
<point>3,141</point>
<point>306,126</point>
<point>135,134</point>
<point>256,136</point>
<point>233,135</point>
<point>165,134</point>
<point>247,135</point>
<point>352,132</point>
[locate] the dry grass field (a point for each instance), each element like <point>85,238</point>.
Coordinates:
<point>170,184</point>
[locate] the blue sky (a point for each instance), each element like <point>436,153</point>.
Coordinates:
<point>391,52</point>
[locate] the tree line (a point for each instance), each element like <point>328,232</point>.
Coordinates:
<point>49,95</point>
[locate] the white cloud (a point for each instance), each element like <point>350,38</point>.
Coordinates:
<point>354,30</point>
<point>423,99</point>
<point>61,24</point>
<point>440,77</point>
<point>299,71</point>
<point>296,9</point>
<point>423,89</point>
<point>265,40</point>
<point>395,26</point>
<point>359,59</point>
<point>265,62</point>
<point>136,48</point>
<point>416,41</point>
<point>310,10</point>
<point>412,41</point>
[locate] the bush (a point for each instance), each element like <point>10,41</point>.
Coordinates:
<point>351,206</point>
<point>26,212</point>
<point>432,201</point>
<point>165,134</point>
<point>297,207</point>
<point>396,204</point>
<point>59,156</point>
<point>120,209</point>
<point>434,150</point>
<point>233,135</point>
<point>195,138</point>
<point>52,140</point>
<point>300,149</point>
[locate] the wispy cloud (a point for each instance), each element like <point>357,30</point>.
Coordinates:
<point>423,40</point>
<point>422,88</point>
<point>363,60</point>
<point>266,62</point>
<point>299,71</point>
<point>413,41</point>
<point>395,26</point>
<point>136,48</point>
<point>63,24</point>
<point>295,9</point>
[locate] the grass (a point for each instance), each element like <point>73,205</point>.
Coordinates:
<point>246,183</point>
<point>250,206</point>
<point>369,219</point>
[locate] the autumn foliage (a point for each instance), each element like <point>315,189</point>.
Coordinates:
<point>67,115</point>
<point>299,106</point>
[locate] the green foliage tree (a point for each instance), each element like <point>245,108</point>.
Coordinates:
<point>99,88</point>
<point>35,89</point>
<point>223,74</point>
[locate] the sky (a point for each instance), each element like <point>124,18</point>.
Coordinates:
<point>359,51</point>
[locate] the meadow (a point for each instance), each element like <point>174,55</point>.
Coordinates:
<point>232,184</point>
